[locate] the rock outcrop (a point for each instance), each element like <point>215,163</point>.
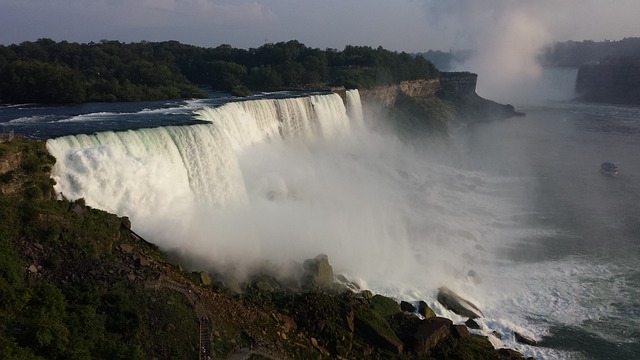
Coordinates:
<point>433,106</point>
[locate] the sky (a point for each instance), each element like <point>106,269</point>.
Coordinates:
<point>402,25</point>
<point>507,34</point>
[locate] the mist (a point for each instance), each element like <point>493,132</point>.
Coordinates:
<point>388,214</point>
<point>508,36</point>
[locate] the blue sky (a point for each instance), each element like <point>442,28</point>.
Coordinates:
<point>405,25</point>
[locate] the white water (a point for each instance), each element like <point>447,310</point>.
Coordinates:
<point>552,84</point>
<point>284,180</point>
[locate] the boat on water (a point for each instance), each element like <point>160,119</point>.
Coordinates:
<point>609,168</point>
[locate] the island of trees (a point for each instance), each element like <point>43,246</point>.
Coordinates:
<point>46,71</point>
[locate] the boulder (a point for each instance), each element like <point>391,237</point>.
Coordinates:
<point>407,307</point>
<point>348,285</point>
<point>425,310</point>
<point>472,324</point>
<point>364,295</point>
<point>384,306</point>
<point>205,279</point>
<point>429,334</point>
<point>523,339</point>
<point>373,328</point>
<point>318,273</point>
<point>457,304</point>
<point>266,283</point>
<point>460,331</point>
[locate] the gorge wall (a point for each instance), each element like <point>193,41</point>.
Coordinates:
<point>615,81</point>
<point>440,105</point>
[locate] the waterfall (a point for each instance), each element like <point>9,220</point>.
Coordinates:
<point>275,181</point>
<point>559,84</point>
<point>141,172</point>
<point>354,108</point>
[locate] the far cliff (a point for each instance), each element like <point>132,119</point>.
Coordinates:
<point>433,106</point>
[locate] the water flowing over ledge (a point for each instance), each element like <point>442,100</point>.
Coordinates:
<point>125,171</point>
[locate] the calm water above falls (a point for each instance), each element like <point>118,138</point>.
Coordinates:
<point>555,242</point>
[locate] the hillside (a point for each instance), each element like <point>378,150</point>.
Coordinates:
<point>77,283</point>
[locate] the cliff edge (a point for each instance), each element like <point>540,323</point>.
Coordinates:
<point>438,105</point>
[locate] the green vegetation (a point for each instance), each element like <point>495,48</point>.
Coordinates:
<point>46,71</point>
<point>63,293</point>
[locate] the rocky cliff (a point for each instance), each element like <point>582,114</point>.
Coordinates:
<point>437,105</point>
<point>615,81</point>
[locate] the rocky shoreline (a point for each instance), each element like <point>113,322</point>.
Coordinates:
<point>377,324</point>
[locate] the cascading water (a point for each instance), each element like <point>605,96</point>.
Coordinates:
<point>558,84</point>
<point>278,181</point>
<point>157,167</point>
<point>283,180</point>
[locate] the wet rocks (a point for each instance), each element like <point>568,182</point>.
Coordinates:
<point>523,339</point>
<point>407,307</point>
<point>457,304</point>
<point>425,310</point>
<point>472,324</point>
<point>318,273</point>
<point>429,334</point>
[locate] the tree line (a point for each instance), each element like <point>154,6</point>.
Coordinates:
<point>46,71</point>
<point>576,53</point>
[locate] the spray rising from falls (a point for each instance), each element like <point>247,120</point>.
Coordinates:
<point>284,180</point>
<point>221,190</point>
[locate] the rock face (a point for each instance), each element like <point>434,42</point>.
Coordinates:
<point>456,84</point>
<point>433,106</point>
<point>457,304</point>
<point>387,95</point>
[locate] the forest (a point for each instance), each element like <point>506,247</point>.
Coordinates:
<point>46,71</point>
<point>576,53</point>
